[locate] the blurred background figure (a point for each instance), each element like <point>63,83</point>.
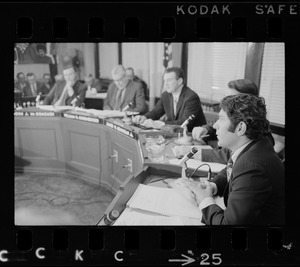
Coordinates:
<point>42,57</point>
<point>131,75</point>
<point>21,82</point>
<point>34,87</point>
<point>48,81</point>
<point>58,78</point>
<point>93,85</point>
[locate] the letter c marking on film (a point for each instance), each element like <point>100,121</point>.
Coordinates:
<point>38,255</point>
<point>2,252</point>
<point>118,252</point>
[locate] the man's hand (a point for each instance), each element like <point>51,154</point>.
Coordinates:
<point>198,132</point>
<point>139,119</point>
<point>203,191</point>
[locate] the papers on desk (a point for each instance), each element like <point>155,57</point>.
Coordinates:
<point>56,109</point>
<point>97,95</point>
<point>165,201</point>
<point>193,164</point>
<point>106,113</point>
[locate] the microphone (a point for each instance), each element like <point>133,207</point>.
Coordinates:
<point>73,102</point>
<point>38,97</point>
<point>186,122</point>
<point>128,106</point>
<point>193,151</point>
<point>111,217</point>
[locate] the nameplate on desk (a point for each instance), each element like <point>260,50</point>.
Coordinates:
<point>34,114</point>
<point>120,129</point>
<point>80,117</point>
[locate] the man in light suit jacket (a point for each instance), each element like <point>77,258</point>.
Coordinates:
<point>67,92</point>
<point>33,87</point>
<point>178,102</point>
<point>123,92</point>
<point>252,185</point>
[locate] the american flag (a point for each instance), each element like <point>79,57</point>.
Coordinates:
<point>168,61</point>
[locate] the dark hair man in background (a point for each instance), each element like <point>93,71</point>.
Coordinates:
<point>64,92</point>
<point>178,102</point>
<point>21,82</point>
<point>33,88</point>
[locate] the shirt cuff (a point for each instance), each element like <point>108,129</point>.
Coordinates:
<point>206,202</point>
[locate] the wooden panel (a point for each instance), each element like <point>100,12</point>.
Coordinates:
<point>38,144</point>
<point>82,149</point>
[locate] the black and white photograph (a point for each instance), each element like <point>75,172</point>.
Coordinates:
<point>149,133</point>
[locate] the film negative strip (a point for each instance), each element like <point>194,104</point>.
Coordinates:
<point>94,37</point>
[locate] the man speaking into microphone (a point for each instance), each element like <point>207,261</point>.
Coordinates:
<point>178,102</point>
<point>65,93</point>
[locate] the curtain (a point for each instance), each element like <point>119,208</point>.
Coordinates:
<point>272,83</point>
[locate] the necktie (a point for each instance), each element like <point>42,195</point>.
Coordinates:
<point>175,100</point>
<point>229,172</point>
<point>33,89</point>
<point>229,168</point>
<point>118,100</point>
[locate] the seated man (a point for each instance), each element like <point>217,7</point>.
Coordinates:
<point>33,88</point>
<point>21,82</point>
<point>92,84</point>
<point>48,81</point>
<point>252,185</point>
<point>123,92</point>
<point>178,102</point>
<point>64,92</point>
<point>131,75</point>
<point>222,155</point>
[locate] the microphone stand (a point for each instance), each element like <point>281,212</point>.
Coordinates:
<point>185,139</point>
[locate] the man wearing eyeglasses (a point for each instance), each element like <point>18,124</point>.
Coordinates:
<point>123,92</point>
<point>64,92</point>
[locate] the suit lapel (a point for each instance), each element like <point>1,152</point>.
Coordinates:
<point>180,102</point>
<point>228,187</point>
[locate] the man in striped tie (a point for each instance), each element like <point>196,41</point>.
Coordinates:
<point>252,184</point>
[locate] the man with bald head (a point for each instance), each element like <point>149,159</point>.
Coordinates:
<point>123,91</point>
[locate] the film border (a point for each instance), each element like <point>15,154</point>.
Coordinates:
<point>114,15</point>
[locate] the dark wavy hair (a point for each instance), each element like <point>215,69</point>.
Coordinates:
<point>251,110</point>
<point>178,72</point>
<point>244,86</point>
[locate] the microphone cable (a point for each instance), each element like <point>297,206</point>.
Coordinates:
<point>209,170</point>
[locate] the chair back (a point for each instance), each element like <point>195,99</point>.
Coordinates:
<point>211,117</point>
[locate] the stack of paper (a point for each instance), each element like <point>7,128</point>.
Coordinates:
<point>55,108</point>
<point>165,201</point>
<point>107,113</point>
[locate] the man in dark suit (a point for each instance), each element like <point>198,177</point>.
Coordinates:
<point>178,102</point>
<point>122,91</point>
<point>33,88</point>
<point>253,182</point>
<point>92,84</point>
<point>67,92</point>
<point>21,82</point>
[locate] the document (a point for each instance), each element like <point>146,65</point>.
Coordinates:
<point>56,109</point>
<point>107,113</point>
<point>165,201</point>
<point>139,217</point>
